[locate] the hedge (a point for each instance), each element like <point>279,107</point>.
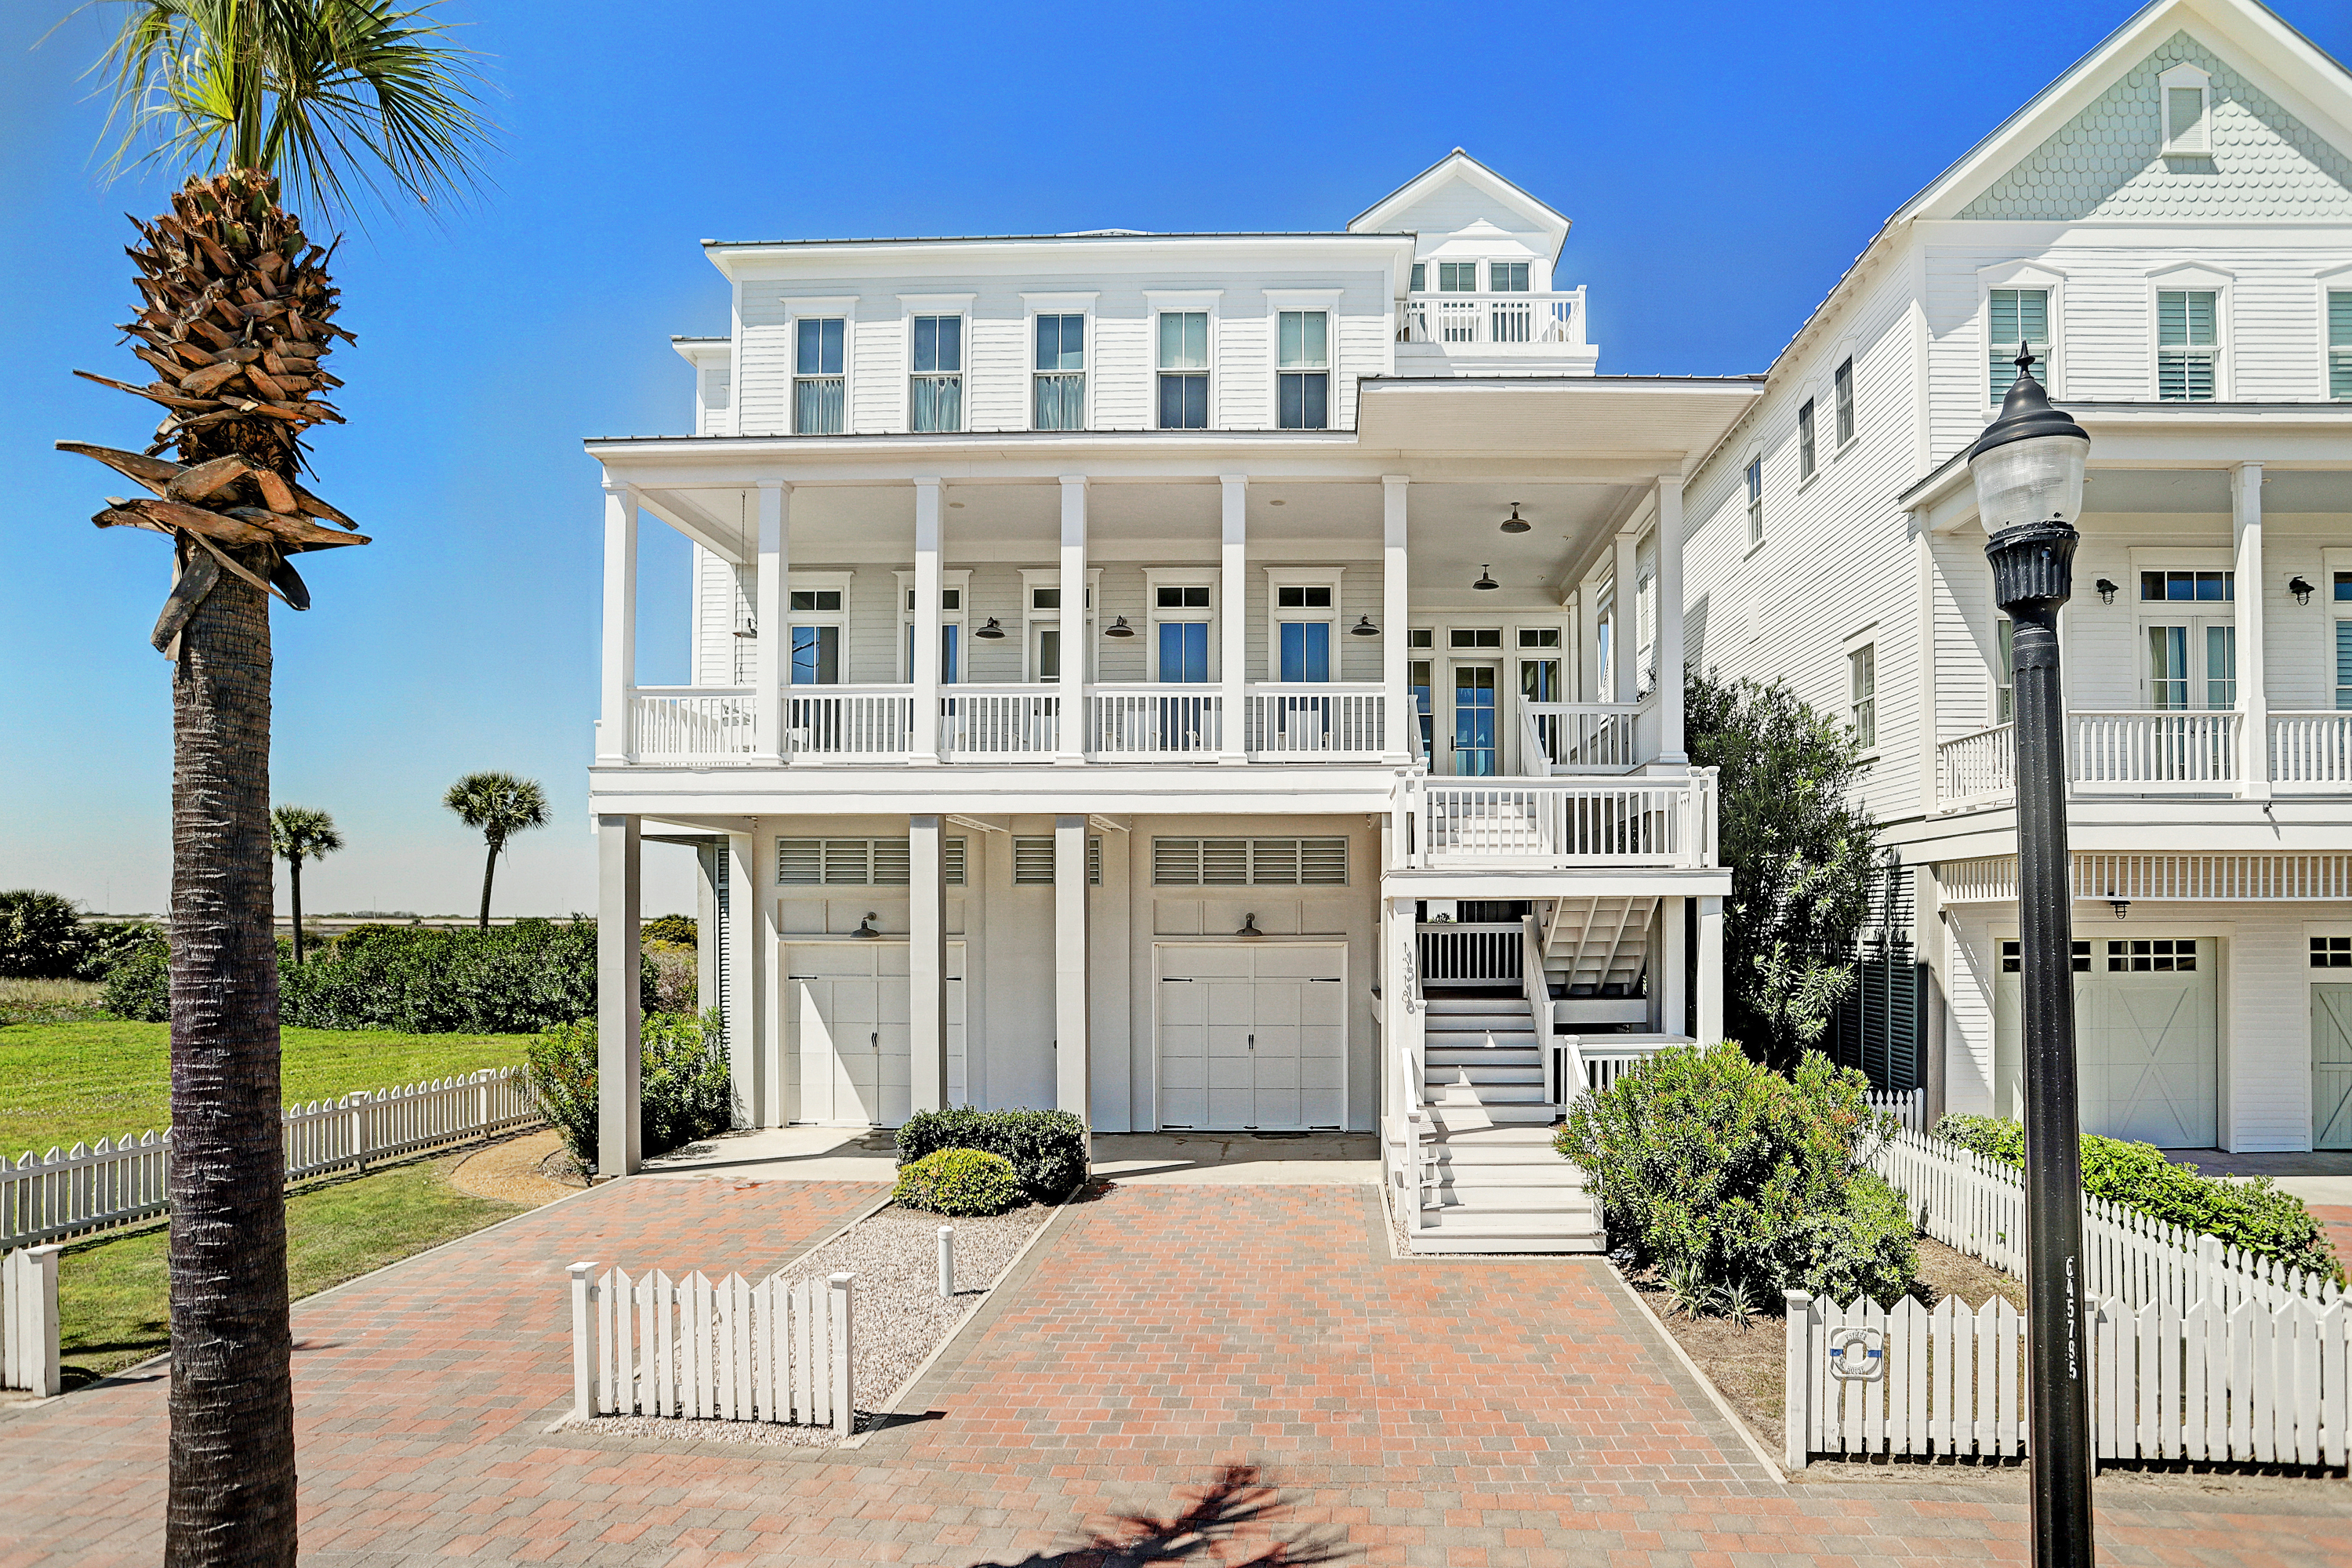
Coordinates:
<point>958,1183</point>
<point>2247,1213</point>
<point>684,1089</point>
<point>1047,1148</point>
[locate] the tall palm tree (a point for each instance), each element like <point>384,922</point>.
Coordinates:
<point>299,832</point>
<point>498,806</point>
<point>236,315</point>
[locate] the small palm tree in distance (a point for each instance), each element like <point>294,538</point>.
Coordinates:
<point>498,806</point>
<point>299,832</point>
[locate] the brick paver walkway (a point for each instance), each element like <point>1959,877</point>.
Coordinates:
<point>1471,1413</point>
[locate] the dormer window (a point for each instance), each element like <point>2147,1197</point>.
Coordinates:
<point>1506,277</point>
<point>1420,276</point>
<point>1457,278</point>
<point>2188,108</point>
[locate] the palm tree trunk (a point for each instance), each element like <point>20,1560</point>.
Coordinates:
<point>294,874</point>
<point>232,1496</point>
<point>490,870</point>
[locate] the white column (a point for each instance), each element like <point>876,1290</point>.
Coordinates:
<point>1070,1075</point>
<point>615,745</point>
<point>1077,663</point>
<point>1624,623</point>
<point>927,962</point>
<point>771,617</point>
<point>2254,698</point>
<point>1930,759</point>
<point>1709,977</point>
<point>923,746</point>
<point>1673,965</point>
<point>1396,742</point>
<point>1670,622</point>
<point>1233,611</point>
<point>620,1144</point>
<point>750,1054</point>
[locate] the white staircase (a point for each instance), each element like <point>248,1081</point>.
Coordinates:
<point>1491,1181</point>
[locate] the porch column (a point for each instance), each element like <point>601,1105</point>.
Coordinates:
<point>1396,739</point>
<point>1077,665</point>
<point>1674,965</point>
<point>750,1049</point>
<point>927,962</point>
<point>620,1143</point>
<point>615,745</point>
<point>1923,547</point>
<point>771,619</point>
<point>2253,700</point>
<point>1670,622</point>
<point>1070,1075</point>
<point>1233,621</point>
<point>1624,623</point>
<point>923,745</point>
<point>1709,978</point>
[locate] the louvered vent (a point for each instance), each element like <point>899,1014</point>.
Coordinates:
<point>843,862</point>
<point>1032,861</point>
<point>953,855</point>
<point>1249,862</point>
<point>1094,860</point>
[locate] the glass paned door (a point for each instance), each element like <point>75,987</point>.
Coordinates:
<point>816,656</point>
<point>950,636</point>
<point>1473,720</point>
<point>1420,676</point>
<point>1046,652</point>
<point>1184,651</point>
<point>1306,650</point>
<point>2167,667</point>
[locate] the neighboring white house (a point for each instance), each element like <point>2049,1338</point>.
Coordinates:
<point>2169,227</point>
<point>1196,680</point>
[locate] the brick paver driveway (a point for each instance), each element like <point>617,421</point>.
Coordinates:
<point>1471,1413</point>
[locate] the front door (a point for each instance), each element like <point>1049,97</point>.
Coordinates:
<point>2331,1067</point>
<point>845,1004</point>
<point>1474,752</point>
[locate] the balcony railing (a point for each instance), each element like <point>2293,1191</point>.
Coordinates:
<point>691,723</point>
<point>1555,319</point>
<point>2312,752</point>
<point>1318,722</point>
<point>870,723</point>
<point>1548,823</point>
<point>1979,766</point>
<point>2155,753</point>
<point>1144,723</point>
<point>1001,723</point>
<point>1583,737</point>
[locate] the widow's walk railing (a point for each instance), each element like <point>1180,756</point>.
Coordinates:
<point>1555,320</point>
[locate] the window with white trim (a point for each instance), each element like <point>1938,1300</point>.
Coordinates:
<point>819,625</point>
<point>1303,369</point>
<point>1754,502</point>
<point>1042,618</point>
<point>2188,344</point>
<point>1249,862</point>
<point>1506,277</point>
<point>2188,110</point>
<point>1058,382</point>
<point>2152,955</point>
<point>2004,670</point>
<point>2012,957</point>
<point>953,593</point>
<point>2331,953</point>
<point>1183,369</point>
<point>1183,625</point>
<point>1842,390</point>
<point>1807,449</point>
<point>2015,316</point>
<point>818,377</point>
<point>1861,695</point>
<point>935,390</point>
<point>1306,615</point>
<point>2339,344</point>
<point>1457,278</point>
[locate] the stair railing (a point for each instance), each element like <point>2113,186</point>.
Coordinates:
<point>1535,985</point>
<point>1412,1177</point>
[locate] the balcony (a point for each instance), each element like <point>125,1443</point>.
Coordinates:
<point>1588,737</point>
<point>1473,332</point>
<point>1545,824</point>
<point>2155,753</point>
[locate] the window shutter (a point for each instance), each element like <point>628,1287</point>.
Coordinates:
<point>1032,862</point>
<point>952,862</point>
<point>1323,862</point>
<point>800,861</point>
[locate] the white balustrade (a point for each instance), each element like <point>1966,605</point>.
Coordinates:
<point>690,724</point>
<point>1977,766</point>
<point>2141,751</point>
<point>1583,737</point>
<point>1458,319</point>
<point>1001,723</point>
<point>1326,720</point>
<point>1149,722</point>
<point>849,721</point>
<point>1469,953</point>
<point>1559,823</point>
<point>2312,750</point>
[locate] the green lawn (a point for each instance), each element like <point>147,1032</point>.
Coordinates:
<point>64,1083</point>
<point>111,1292</point>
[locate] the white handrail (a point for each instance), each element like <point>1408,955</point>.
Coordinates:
<point>1001,723</point>
<point>1144,720</point>
<point>1535,985</point>
<point>1323,718</point>
<point>1552,821</point>
<point>2312,750</point>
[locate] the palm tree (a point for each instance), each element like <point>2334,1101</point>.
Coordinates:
<point>299,832</point>
<point>236,316</point>
<point>498,806</point>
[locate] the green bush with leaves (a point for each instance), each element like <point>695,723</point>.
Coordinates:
<point>958,1183</point>
<point>1047,1148</point>
<point>40,935</point>
<point>2248,1213</point>
<point>676,929</point>
<point>1718,1168</point>
<point>684,1089</point>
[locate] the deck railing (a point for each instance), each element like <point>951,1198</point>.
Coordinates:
<point>1450,319</point>
<point>1583,737</point>
<point>999,724</point>
<point>691,723</point>
<point>2137,753</point>
<point>1323,721</point>
<point>863,721</point>
<point>2155,753</point>
<point>1147,723</point>
<point>1547,823</point>
<point>2312,750</point>
<point>1469,953</point>
<point>1978,766</point>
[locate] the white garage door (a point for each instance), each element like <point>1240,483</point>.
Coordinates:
<point>1252,1037</point>
<point>845,1009</point>
<point>2146,1041</point>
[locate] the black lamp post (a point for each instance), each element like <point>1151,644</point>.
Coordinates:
<point>2028,467</point>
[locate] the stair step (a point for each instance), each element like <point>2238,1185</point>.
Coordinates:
<point>1523,1200</point>
<point>1463,1222</point>
<point>1508,1164</point>
<point>1439,1241</point>
<point>1443,1076</point>
<point>1440,1003</point>
<point>1538,1113</point>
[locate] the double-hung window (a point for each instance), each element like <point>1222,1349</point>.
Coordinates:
<point>1808,445</point>
<point>1303,369</point>
<point>1303,613</point>
<point>2344,641</point>
<point>1841,389</point>
<point>817,379</point>
<point>2187,347</point>
<point>935,400</point>
<point>1182,614</point>
<point>2015,316</point>
<point>1059,396</point>
<point>1457,278</point>
<point>1183,369</point>
<point>2339,344</point>
<point>1754,502</point>
<point>1862,691</point>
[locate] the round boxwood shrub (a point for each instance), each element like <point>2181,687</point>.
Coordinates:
<point>1047,1148</point>
<point>960,1182</point>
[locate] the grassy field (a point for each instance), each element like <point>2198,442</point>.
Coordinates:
<point>49,1001</point>
<point>112,1294</point>
<point>64,1083</point>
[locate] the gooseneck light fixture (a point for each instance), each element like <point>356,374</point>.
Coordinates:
<point>2028,467</point>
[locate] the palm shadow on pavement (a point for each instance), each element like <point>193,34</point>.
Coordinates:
<point>1205,1529</point>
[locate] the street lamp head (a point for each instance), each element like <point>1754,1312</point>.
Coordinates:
<point>2028,469</point>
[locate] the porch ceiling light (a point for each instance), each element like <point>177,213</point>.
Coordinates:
<point>1363,627</point>
<point>991,632</point>
<point>2106,591</point>
<point>1515,523</point>
<point>1486,579</point>
<point>1119,628</point>
<point>2299,588</point>
<point>865,928</point>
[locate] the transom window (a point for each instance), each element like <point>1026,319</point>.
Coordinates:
<point>2015,316</point>
<point>2331,953</point>
<point>1806,449</point>
<point>1842,387</point>
<point>816,599</point>
<point>934,397</point>
<point>2188,349</point>
<point>817,378</point>
<point>1191,596</point>
<point>2339,344</point>
<point>1302,599</point>
<point>1303,369</point>
<point>1539,636</point>
<point>2152,955</point>
<point>1058,397</point>
<point>1184,370</point>
<point>1249,862</point>
<point>1474,636</point>
<point>1426,636</point>
<point>2176,587</point>
<point>2012,958</point>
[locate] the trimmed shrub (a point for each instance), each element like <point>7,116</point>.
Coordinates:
<point>684,1089</point>
<point>2248,1213</point>
<point>958,1183</point>
<point>1047,1149</point>
<point>1708,1161</point>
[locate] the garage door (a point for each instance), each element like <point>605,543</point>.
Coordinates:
<point>1252,1037</point>
<point>2146,1039</point>
<point>2331,1067</point>
<point>845,1006</point>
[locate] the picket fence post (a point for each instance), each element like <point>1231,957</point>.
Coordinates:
<point>28,1321</point>
<point>1796,1403</point>
<point>583,1327</point>
<point>844,1400</point>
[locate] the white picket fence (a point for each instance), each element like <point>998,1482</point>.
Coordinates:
<point>123,1180</point>
<point>2247,1384</point>
<point>726,1349</point>
<point>1977,1205</point>
<point>28,1320</point>
<point>1908,1106</point>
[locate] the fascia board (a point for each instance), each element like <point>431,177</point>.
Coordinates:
<point>701,351</point>
<point>910,258</point>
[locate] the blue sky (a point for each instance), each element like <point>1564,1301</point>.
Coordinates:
<point>1722,162</point>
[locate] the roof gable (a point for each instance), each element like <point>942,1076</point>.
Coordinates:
<point>1455,192</point>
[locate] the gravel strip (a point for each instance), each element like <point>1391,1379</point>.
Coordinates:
<point>531,1169</point>
<point>900,1319</point>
